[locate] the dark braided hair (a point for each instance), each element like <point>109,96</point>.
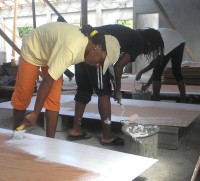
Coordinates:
<point>154,45</point>
<point>97,38</point>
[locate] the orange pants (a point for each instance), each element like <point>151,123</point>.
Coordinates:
<point>24,87</point>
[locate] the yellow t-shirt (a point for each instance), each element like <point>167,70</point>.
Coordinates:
<point>56,45</point>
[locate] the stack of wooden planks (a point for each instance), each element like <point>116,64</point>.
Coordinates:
<point>191,74</point>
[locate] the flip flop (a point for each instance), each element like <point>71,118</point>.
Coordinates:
<point>83,136</point>
<point>117,141</point>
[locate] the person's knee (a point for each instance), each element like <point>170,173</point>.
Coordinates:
<point>179,78</point>
<point>156,77</point>
<point>177,75</point>
<point>157,74</point>
<point>102,92</point>
<point>83,97</point>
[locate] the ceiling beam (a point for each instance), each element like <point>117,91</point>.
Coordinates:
<point>5,4</point>
<point>28,2</point>
<point>42,2</point>
<point>9,41</point>
<point>55,1</point>
<point>19,5</point>
<point>54,9</point>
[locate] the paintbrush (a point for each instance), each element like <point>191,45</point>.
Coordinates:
<point>20,130</point>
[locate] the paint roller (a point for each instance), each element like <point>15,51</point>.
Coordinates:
<point>128,120</point>
<point>133,118</point>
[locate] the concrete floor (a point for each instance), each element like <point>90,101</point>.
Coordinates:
<point>173,165</point>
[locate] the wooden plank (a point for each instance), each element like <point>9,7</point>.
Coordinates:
<point>129,86</point>
<point>151,112</point>
<point>168,92</point>
<point>41,158</point>
<point>168,137</point>
<point>157,113</point>
<point>190,73</point>
<point>170,117</point>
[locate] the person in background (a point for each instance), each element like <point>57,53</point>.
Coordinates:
<point>54,47</point>
<point>173,50</point>
<point>89,78</point>
<point>134,43</point>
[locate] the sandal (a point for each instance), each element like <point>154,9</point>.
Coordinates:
<point>117,141</point>
<point>83,136</point>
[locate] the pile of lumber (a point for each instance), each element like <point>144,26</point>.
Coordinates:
<point>190,72</point>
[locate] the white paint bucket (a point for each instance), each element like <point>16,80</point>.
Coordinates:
<point>141,142</point>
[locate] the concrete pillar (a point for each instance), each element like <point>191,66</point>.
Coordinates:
<point>99,14</point>
<point>84,19</point>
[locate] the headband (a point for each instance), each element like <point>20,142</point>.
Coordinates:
<point>94,32</point>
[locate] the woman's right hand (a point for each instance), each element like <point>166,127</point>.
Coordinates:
<point>30,119</point>
<point>117,96</point>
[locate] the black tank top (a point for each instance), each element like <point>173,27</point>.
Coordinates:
<point>129,39</point>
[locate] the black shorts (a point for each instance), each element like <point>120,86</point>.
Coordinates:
<point>90,79</point>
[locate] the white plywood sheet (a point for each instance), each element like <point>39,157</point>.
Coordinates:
<point>112,165</point>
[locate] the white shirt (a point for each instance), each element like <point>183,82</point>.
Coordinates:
<point>171,39</point>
